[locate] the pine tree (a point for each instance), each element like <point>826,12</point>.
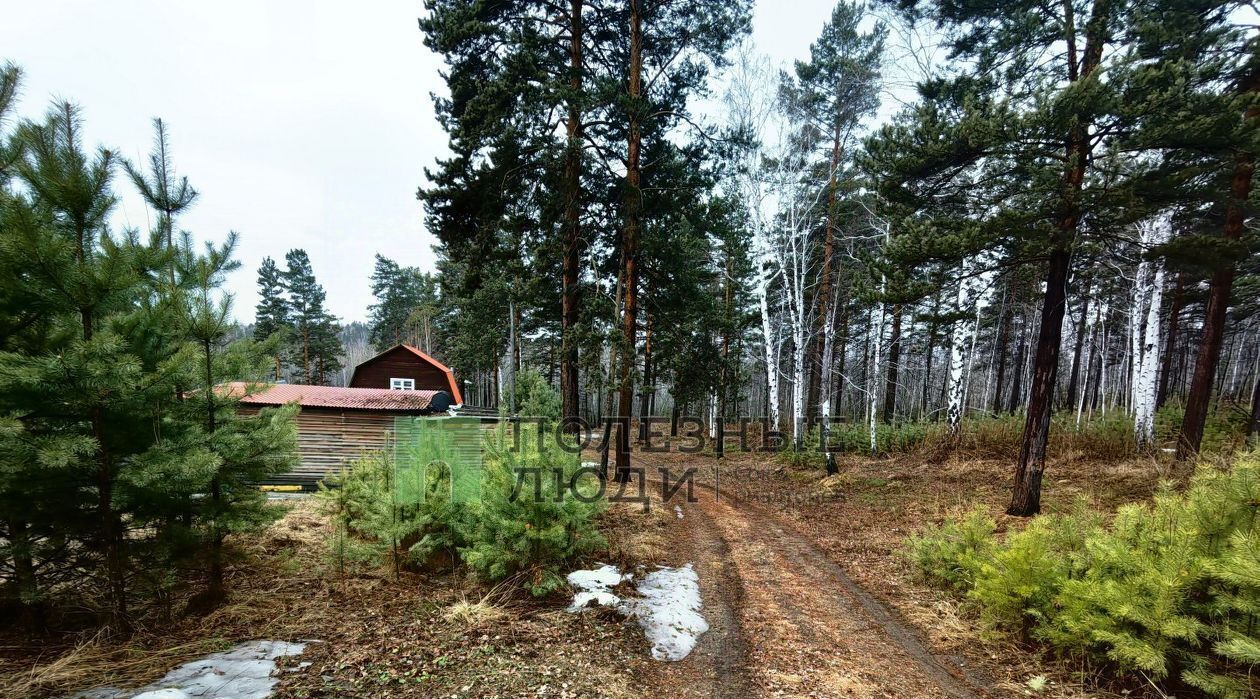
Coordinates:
<point>241,450</point>
<point>112,352</point>
<point>271,315</point>
<point>981,123</point>
<point>406,306</point>
<point>1195,87</point>
<point>164,191</point>
<point>315,347</point>
<point>835,90</point>
<point>92,389</point>
<point>673,44</point>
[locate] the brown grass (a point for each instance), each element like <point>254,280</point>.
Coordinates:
<point>863,515</point>
<point>411,635</point>
<point>633,535</point>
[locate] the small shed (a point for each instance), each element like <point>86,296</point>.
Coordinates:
<point>404,367</point>
<point>337,425</point>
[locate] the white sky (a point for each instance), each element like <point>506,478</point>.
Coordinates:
<point>302,124</point>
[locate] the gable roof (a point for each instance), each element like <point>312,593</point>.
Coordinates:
<point>450,375</point>
<point>383,399</point>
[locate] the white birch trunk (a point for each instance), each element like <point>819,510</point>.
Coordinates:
<point>958,355</point>
<point>798,370</point>
<point>770,346</point>
<point>713,415</point>
<point>1086,363</point>
<point>1145,384</point>
<point>824,405</point>
<point>873,382</point>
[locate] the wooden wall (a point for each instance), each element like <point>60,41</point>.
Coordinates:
<point>329,439</point>
<point>400,363</point>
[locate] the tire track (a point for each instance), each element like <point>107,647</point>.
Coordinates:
<point>790,621</point>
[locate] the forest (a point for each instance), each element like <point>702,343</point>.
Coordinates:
<point>940,215</point>
<point>990,274</point>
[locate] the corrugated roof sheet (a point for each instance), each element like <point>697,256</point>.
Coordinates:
<point>450,375</point>
<point>340,397</point>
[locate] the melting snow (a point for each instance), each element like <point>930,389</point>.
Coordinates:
<point>678,511</point>
<point>241,673</point>
<point>595,586</point>
<point>668,611</point>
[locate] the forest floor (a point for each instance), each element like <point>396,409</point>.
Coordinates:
<point>804,590</point>
<point>825,603</point>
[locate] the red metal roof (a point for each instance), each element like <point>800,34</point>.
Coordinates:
<point>340,397</point>
<point>450,375</point>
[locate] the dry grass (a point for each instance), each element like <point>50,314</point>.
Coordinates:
<point>385,636</point>
<point>493,606</point>
<point>862,516</point>
<point>273,595</point>
<point>635,536</point>
<point>106,663</point>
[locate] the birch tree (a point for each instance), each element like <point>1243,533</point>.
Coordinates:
<point>962,329</point>
<point>795,202</point>
<point>1149,296</point>
<point>750,108</point>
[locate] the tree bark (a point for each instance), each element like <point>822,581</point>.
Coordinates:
<point>570,308</point>
<point>630,239</point>
<point>894,360</point>
<point>1199,397</point>
<point>1074,380</point>
<point>1170,347</point>
<point>817,378</point>
<point>1026,494</point>
<point>649,375</point>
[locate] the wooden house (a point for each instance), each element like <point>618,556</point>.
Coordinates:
<point>337,425</point>
<point>404,367</point>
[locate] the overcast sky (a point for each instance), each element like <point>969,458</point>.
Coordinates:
<point>303,124</point>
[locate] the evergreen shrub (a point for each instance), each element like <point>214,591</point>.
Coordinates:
<point>1169,588</point>
<point>526,523</point>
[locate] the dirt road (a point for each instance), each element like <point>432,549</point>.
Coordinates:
<point>785,620</point>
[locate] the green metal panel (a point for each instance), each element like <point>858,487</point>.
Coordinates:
<point>424,447</point>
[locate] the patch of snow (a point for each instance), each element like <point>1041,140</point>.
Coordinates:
<point>595,586</point>
<point>678,511</point>
<point>669,610</point>
<point>243,672</point>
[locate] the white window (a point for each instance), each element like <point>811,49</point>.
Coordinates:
<point>402,384</point>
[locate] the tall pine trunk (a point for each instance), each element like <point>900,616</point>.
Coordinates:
<point>1199,397</point>
<point>1074,380</point>
<point>1026,497</point>
<point>649,375</point>
<point>630,238</point>
<point>819,377</point>
<point>1026,494</point>
<point>569,312</point>
<point>894,360</point>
